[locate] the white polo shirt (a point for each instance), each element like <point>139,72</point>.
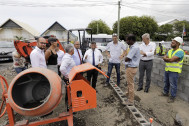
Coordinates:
<point>115,51</point>
<point>37,58</point>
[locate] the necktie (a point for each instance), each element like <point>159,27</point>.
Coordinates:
<point>79,56</point>
<point>93,59</point>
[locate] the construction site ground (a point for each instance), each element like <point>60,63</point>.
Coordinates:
<point>110,111</point>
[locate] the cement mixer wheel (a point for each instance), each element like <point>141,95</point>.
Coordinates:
<point>2,81</point>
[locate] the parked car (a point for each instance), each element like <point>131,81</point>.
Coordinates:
<point>6,49</point>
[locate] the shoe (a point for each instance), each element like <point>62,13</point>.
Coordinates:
<point>96,91</point>
<point>163,94</point>
<point>127,103</point>
<point>118,85</point>
<point>139,89</point>
<point>146,90</point>
<point>171,99</point>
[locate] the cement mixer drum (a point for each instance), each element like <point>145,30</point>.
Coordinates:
<point>34,92</point>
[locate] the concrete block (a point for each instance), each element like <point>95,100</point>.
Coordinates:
<point>159,78</point>
<point>152,75</point>
<point>162,72</point>
<point>180,87</point>
<point>160,84</point>
<point>154,81</point>
<point>156,60</point>
<point>185,82</point>
<point>160,67</point>
<point>162,61</point>
<point>154,65</point>
<point>183,96</point>
<point>186,91</point>
<point>155,71</point>
<point>183,74</point>
<point>185,68</point>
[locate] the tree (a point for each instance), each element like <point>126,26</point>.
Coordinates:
<point>165,32</point>
<point>137,26</point>
<point>100,25</point>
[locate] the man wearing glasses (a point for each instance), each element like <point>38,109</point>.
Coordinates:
<point>37,56</point>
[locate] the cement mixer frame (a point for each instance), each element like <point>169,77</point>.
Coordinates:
<point>76,103</point>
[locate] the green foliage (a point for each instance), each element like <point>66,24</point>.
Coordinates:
<point>165,32</point>
<point>137,26</point>
<point>19,38</point>
<point>101,25</point>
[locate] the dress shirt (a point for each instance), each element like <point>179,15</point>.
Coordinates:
<point>76,56</point>
<point>66,65</point>
<point>148,49</point>
<point>115,51</point>
<point>60,54</point>
<point>98,56</point>
<point>37,58</point>
<point>134,55</point>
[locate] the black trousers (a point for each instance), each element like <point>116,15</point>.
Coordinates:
<point>92,74</point>
<point>145,66</point>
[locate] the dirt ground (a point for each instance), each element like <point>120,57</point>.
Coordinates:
<point>110,111</point>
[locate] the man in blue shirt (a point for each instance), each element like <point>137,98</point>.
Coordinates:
<point>173,66</point>
<point>132,62</point>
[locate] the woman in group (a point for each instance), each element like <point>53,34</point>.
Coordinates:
<point>51,55</point>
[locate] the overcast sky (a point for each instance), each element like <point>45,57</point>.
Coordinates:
<point>40,14</point>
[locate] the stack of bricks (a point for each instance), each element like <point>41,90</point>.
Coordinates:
<point>157,77</point>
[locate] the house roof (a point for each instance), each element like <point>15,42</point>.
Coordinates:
<point>171,21</point>
<point>26,27</point>
<point>55,23</point>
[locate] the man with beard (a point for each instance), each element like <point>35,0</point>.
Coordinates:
<point>37,56</point>
<point>173,66</point>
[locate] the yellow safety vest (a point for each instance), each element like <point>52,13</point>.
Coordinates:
<point>174,66</point>
<point>158,50</point>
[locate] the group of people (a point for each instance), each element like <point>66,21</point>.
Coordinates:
<point>62,63</point>
<point>138,56</point>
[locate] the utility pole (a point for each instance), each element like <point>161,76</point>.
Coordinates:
<point>118,22</point>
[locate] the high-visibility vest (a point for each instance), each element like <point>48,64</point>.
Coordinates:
<point>174,66</point>
<point>158,50</point>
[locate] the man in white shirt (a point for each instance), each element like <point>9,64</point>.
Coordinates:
<point>77,56</point>
<point>94,57</point>
<point>147,49</point>
<point>115,47</point>
<point>67,62</point>
<point>37,56</point>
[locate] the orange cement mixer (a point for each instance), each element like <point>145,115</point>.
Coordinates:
<point>37,91</point>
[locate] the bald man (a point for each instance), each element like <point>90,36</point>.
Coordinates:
<point>37,56</point>
<point>77,56</point>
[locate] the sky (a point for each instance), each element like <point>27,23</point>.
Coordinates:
<point>41,14</point>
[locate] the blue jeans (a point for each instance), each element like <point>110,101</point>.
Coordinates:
<point>110,66</point>
<point>19,69</point>
<point>170,80</point>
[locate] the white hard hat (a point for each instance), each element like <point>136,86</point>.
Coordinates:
<point>179,40</point>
